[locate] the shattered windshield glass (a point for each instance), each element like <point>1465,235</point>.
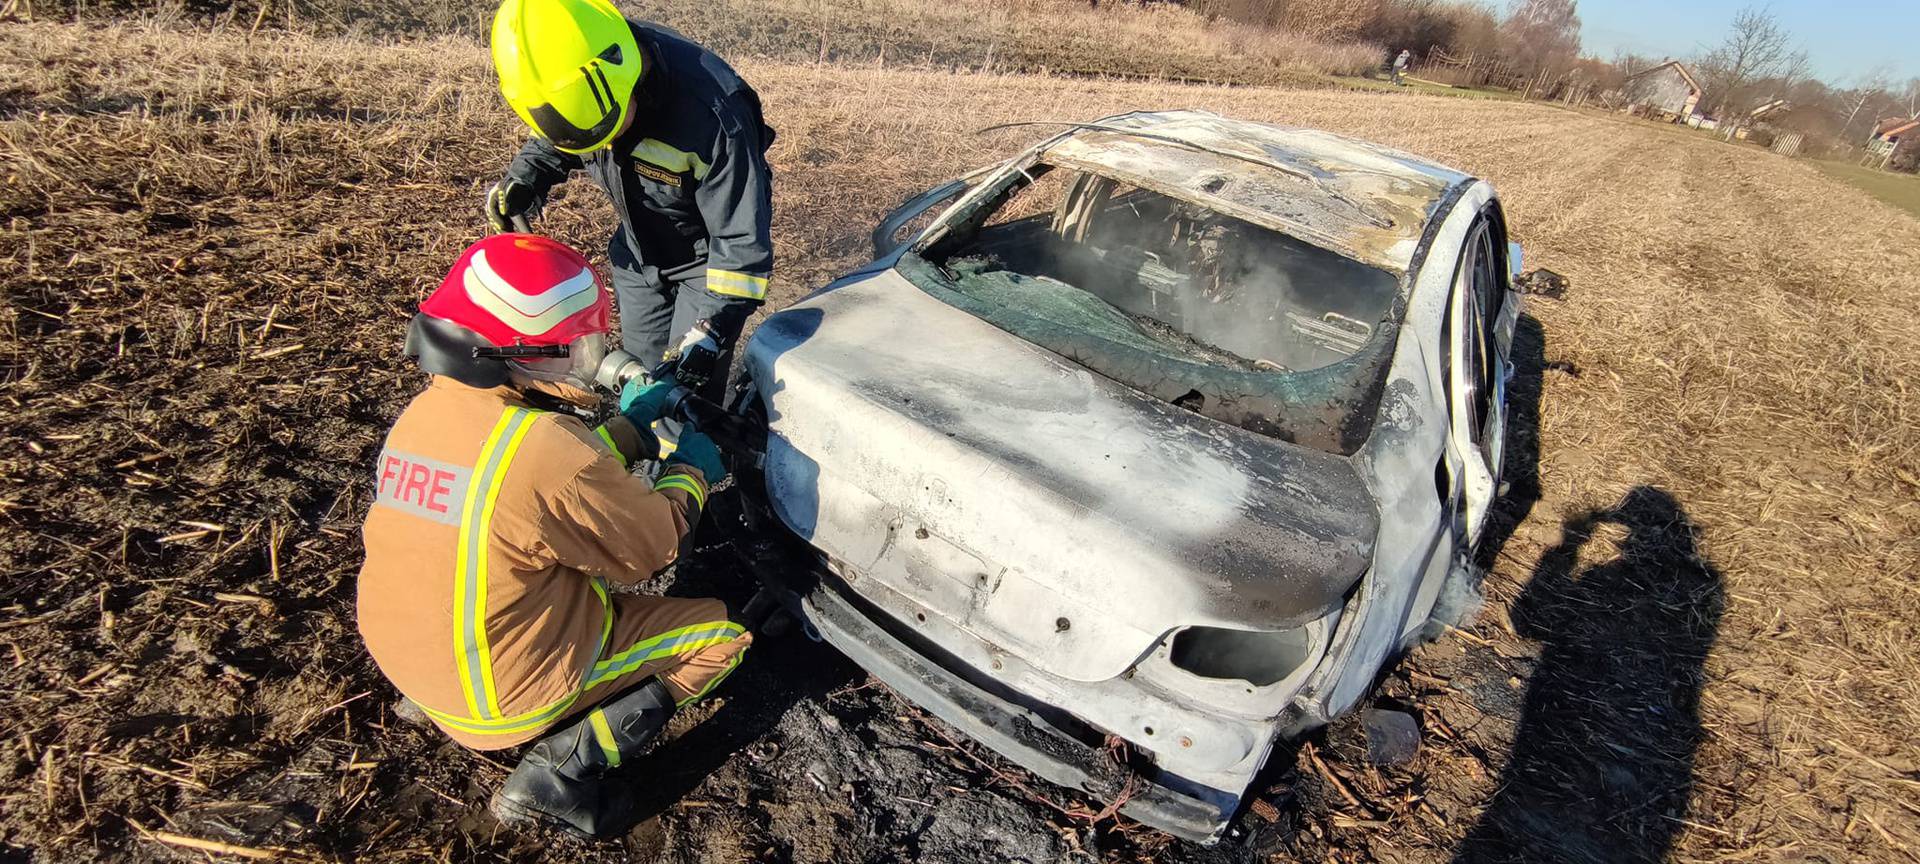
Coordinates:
<point>1219,316</point>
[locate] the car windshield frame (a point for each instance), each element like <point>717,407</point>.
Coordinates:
<point>1331,408</point>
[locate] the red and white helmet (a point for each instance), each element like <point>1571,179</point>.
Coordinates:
<point>524,299</point>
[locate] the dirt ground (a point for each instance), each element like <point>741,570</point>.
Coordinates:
<point>1698,640</point>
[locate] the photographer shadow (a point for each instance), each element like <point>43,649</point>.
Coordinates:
<point>1521,472</point>
<point>1602,763</point>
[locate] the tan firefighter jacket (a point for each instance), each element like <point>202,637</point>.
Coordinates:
<point>494,534</point>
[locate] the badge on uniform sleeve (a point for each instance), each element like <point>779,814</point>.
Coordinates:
<point>656,174</point>
<point>424,487</point>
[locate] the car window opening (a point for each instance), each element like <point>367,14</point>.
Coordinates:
<point>1193,306</point>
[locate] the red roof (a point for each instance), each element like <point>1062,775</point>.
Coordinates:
<point>1908,126</point>
<point>1894,126</point>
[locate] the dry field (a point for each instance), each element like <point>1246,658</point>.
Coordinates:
<point>1699,641</point>
<point>1161,40</point>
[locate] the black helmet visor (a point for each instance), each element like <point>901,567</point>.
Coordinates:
<point>567,136</point>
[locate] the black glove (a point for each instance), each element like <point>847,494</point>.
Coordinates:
<point>508,203</point>
<point>697,358</point>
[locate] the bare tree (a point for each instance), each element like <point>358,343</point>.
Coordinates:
<point>1543,36</point>
<point>1543,42</point>
<point>1628,63</point>
<point>1756,49</point>
<point>1476,28</point>
<point>1866,89</point>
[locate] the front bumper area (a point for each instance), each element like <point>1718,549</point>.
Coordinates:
<point>1199,814</point>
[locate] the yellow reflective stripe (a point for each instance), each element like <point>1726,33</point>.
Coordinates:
<point>486,523</point>
<point>547,713</point>
<point>606,436</point>
<point>680,640</point>
<point>671,158</point>
<point>667,446</point>
<point>685,484</point>
<point>713,682</point>
<point>655,640</point>
<point>463,558</point>
<point>534,719</point>
<point>604,672</point>
<point>606,624</point>
<point>603,736</point>
<point>732,283</point>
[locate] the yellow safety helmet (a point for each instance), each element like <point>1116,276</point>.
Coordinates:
<point>568,68</point>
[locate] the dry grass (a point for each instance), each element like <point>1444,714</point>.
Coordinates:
<point>1160,40</point>
<point>210,244</point>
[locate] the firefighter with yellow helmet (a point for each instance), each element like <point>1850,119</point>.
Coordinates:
<point>676,139</point>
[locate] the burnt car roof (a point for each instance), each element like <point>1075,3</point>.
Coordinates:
<point>1361,200</point>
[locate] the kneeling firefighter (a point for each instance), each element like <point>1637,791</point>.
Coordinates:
<point>500,520</point>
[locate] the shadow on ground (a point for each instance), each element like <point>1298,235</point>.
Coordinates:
<point>1520,470</point>
<point>1602,764</point>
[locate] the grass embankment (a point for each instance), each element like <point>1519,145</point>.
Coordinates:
<point>1899,190</point>
<point>1414,85</point>
<point>211,246</point>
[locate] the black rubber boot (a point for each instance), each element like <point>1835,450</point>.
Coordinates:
<point>562,779</point>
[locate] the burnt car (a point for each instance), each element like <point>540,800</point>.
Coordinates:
<point>1148,448</point>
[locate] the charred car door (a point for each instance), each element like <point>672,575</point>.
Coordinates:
<point>1481,317</point>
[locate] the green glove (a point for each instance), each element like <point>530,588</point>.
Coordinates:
<point>507,201</point>
<point>697,451</point>
<point>644,402</point>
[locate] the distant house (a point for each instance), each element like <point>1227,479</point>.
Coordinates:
<point>1784,127</point>
<point>1769,110</point>
<point>1667,92</point>
<point>1896,140</point>
<point>1765,120</point>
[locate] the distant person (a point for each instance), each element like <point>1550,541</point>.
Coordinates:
<point>498,525</point>
<point>676,139</point>
<point>1400,67</point>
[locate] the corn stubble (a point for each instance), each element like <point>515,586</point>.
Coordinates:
<point>211,244</point>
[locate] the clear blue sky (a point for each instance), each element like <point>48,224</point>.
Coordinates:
<point>1843,38</point>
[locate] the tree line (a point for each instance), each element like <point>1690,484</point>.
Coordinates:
<point>1755,62</point>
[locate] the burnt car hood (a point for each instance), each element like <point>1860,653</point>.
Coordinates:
<point>1048,511</point>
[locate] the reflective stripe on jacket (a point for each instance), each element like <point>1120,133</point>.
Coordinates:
<point>493,536</point>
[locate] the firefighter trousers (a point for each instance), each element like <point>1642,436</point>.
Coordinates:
<point>655,313</point>
<point>690,644</point>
